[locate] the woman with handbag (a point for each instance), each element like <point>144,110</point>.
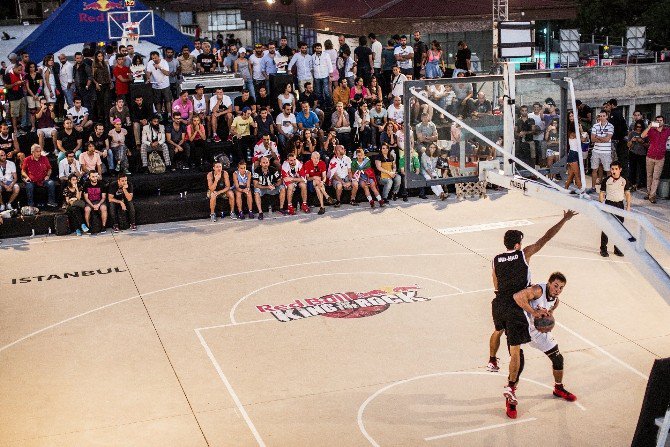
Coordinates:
<point>74,205</point>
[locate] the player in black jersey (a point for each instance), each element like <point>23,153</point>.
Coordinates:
<point>511,274</point>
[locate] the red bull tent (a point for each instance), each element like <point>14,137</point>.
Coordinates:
<point>77,21</point>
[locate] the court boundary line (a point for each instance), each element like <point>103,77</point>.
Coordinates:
<point>475,430</point>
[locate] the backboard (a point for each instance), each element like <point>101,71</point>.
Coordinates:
<point>130,24</point>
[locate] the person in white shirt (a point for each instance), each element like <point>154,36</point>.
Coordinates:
<point>377,49</point>
<point>158,71</point>
<point>197,50</point>
<point>153,139</point>
<point>322,67</point>
<point>601,135</point>
<point>397,82</point>
<point>396,111</point>
<point>8,181</point>
<point>220,105</point>
<point>257,76</point>
<point>538,136</point>
<point>339,175</point>
<point>66,79</point>
<point>304,65</point>
<point>67,166</point>
<point>286,126</point>
<point>404,54</point>
<point>79,116</point>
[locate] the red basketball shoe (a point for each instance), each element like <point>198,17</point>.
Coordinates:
<point>561,392</point>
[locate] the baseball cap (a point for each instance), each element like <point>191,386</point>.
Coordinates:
<point>197,86</point>
<point>245,109</point>
<point>242,50</point>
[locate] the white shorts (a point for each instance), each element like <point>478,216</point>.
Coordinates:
<point>542,341</point>
<point>601,157</point>
<point>46,132</point>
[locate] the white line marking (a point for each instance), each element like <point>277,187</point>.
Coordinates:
<point>361,410</point>
<point>231,391</point>
<point>486,226</point>
<point>234,308</point>
<point>616,359</point>
<point>474,430</point>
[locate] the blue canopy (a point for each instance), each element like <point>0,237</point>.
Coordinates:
<point>78,21</point>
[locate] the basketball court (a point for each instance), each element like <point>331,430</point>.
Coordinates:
<point>204,333</point>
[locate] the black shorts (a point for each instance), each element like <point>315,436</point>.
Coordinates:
<point>510,318</point>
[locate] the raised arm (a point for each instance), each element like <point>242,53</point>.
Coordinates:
<point>537,246</point>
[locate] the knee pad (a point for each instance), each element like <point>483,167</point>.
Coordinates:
<point>556,358</point>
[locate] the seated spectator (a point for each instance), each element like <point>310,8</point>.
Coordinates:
<point>315,173</point>
<point>425,131</point>
<point>10,144</point>
<point>153,139</point>
<point>313,101</point>
<point>120,194</point>
<point>463,92</point>
<point>221,108</point>
<point>177,141</point>
<point>218,188</point>
<point>266,148</point>
<point>241,129</point>
<point>90,161</point>
<point>95,196</point>
<point>340,122</point>
<point>378,118</point>
<point>340,176</point>
<point>101,142</point>
<point>264,124</point>
<point>268,181</point>
<point>286,127</point>
<point>263,101</point>
<point>8,182</point>
<point>389,177</point>
<point>429,169</point>
<point>328,144</point>
<point>287,97</point>
<point>293,179</point>
<point>307,119</point>
<point>121,112</point>
<point>69,166</point>
<point>183,106</point>
<point>196,137</point>
<point>45,118</point>
<point>415,166</point>
<point>397,83</point>
<point>375,92</point>
<point>140,113</point>
<point>79,116</point>
<point>74,204</point>
<point>364,175</point>
<point>117,144</point>
<point>200,107</point>
<point>68,140</point>
<point>242,186</point>
<point>482,106</point>
<point>396,111</point>
<point>36,173</point>
<point>362,126</point>
<point>443,95</point>
<point>390,138</point>
<point>244,101</point>
<point>308,147</point>
<point>341,93</point>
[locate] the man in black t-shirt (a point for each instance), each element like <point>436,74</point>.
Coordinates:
<point>141,112</point>
<point>523,131</point>
<point>420,54</point>
<point>245,100</point>
<point>120,194</point>
<point>206,59</point>
<point>263,100</point>
<point>463,57</point>
<point>363,59</point>
<point>101,142</point>
<point>68,139</point>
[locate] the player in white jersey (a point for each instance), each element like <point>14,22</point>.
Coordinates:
<point>533,300</point>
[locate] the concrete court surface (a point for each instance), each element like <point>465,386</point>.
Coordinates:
<point>165,337</point>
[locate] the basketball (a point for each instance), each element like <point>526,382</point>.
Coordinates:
<point>545,324</point>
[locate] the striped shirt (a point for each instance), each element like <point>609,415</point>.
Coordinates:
<point>602,130</point>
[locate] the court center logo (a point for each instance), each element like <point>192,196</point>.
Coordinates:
<point>344,304</point>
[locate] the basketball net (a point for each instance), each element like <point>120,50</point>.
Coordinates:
<point>130,35</point>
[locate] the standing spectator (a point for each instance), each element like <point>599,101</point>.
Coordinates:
<point>218,188</point>
<point>420,55</point>
<point>340,175</point>
<point>153,139</point>
<point>551,138</point>
<point>197,48</point>
<point>304,66</point>
<point>334,73</point>
<point>36,173</point>
<point>376,47</point>
<point>14,83</point>
<point>103,85</point>
<point>267,181</point>
<point>637,116</point>
<point>619,136</point>
<point>187,62</point>
<point>601,136</point>
<point>613,190</point>
<point>242,66</point>
<point>206,59</point>
<point>68,140</point>
<point>585,115</point>
<point>432,60</point>
<point>284,49</point>
<point>90,161</point>
<point>658,135</point>
<point>242,186</point>
<point>346,66</point>
<point>69,166</point>
<point>73,204</point>
<point>405,57</point>
<point>33,91</point>
<point>286,126</point>
<point>83,80</point>
<point>537,145</point>
<point>364,59</point>
<point>8,181</point>
<point>364,175</point>
<point>158,71</point>
<point>122,77</point>
<point>322,67</point>
<point>388,62</point>
<point>389,177</point>
<point>118,145</point>
<point>269,66</point>
<point>574,146</point>
<point>638,156</point>
<point>140,114</point>
<point>524,129</point>
<point>463,59</point>
<point>255,61</point>
<point>397,83</point>
<point>315,172</point>
<point>120,194</point>
<point>67,79</point>
<point>291,173</point>
<point>95,197</point>
<point>173,66</point>
<point>50,75</point>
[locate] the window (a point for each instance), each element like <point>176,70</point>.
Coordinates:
<point>227,20</point>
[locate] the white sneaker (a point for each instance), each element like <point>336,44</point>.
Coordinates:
<point>508,392</point>
<point>2,207</point>
<point>493,366</point>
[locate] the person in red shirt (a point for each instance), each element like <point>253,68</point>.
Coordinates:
<point>36,172</point>
<point>658,136</point>
<point>314,170</point>
<point>122,77</point>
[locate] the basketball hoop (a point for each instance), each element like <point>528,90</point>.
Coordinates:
<point>130,33</point>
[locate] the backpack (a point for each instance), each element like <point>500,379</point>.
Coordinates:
<point>156,165</point>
